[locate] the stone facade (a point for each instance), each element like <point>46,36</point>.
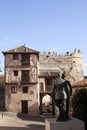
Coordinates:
<point>71,64</point>
<point>29,77</point>
<point>21,80</point>
<point>2,94</point>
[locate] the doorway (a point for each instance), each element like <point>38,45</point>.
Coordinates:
<point>46,106</point>
<point>24,104</point>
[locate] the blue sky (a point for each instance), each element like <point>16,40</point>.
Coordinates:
<point>44,25</point>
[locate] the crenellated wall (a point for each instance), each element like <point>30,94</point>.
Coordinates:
<point>70,63</point>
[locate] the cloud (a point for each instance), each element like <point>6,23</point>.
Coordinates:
<point>17,41</point>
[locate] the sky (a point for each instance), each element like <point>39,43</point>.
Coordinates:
<point>44,25</point>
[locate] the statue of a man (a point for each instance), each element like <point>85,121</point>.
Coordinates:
<point>68,90</point>
<point>60,97</point>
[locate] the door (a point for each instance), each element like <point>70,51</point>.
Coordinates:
<point>24,106</point>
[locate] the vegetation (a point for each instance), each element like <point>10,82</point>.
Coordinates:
<point>79,105</point>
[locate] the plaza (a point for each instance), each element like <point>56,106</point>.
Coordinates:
<point>11,121</point>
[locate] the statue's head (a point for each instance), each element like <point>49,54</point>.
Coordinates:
<point>59,74</point>
<point>63,75</point>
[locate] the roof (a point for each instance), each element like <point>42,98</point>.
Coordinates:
<point>80,83</point>
<point>48,72</point>
<point>21,49</point>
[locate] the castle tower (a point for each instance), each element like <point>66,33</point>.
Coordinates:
<point>77,56</point>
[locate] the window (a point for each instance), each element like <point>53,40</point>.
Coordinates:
<point>15,72</point>
<point>41,87</point>
<point>15,56</point>
<point>25,76</point>
<point>25,89</point>
<point>14,89</point>
<point>48,82</point>
<point>25,59</point>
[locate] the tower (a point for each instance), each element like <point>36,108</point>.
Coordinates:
<point>77,56</point>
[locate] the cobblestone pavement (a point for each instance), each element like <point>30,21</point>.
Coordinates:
<point>10,121</point>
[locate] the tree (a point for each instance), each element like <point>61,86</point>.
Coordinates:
<point>79,105</point>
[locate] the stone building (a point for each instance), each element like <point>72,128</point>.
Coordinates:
<point>2,93</point>
<point>29,77</point>
<point>21,80</point>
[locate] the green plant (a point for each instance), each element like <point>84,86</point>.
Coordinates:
<point>79,105</point>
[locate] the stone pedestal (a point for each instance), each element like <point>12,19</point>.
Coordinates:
<point>72,124</point>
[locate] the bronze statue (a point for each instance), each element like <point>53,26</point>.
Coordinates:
<point>68,90</point>
<point>61,92</point>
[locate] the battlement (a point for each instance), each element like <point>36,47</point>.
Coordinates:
<point>75,56</point>
<point>77,53</point>
<point>70,63</point>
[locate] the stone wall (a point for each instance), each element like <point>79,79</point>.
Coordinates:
<point>70,63</point>
<point>2,94</point>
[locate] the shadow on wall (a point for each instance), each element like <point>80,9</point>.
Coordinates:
<point>2,99</point>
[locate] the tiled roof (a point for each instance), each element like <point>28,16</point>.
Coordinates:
<point>21,49</point>
<point>80,83</point>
